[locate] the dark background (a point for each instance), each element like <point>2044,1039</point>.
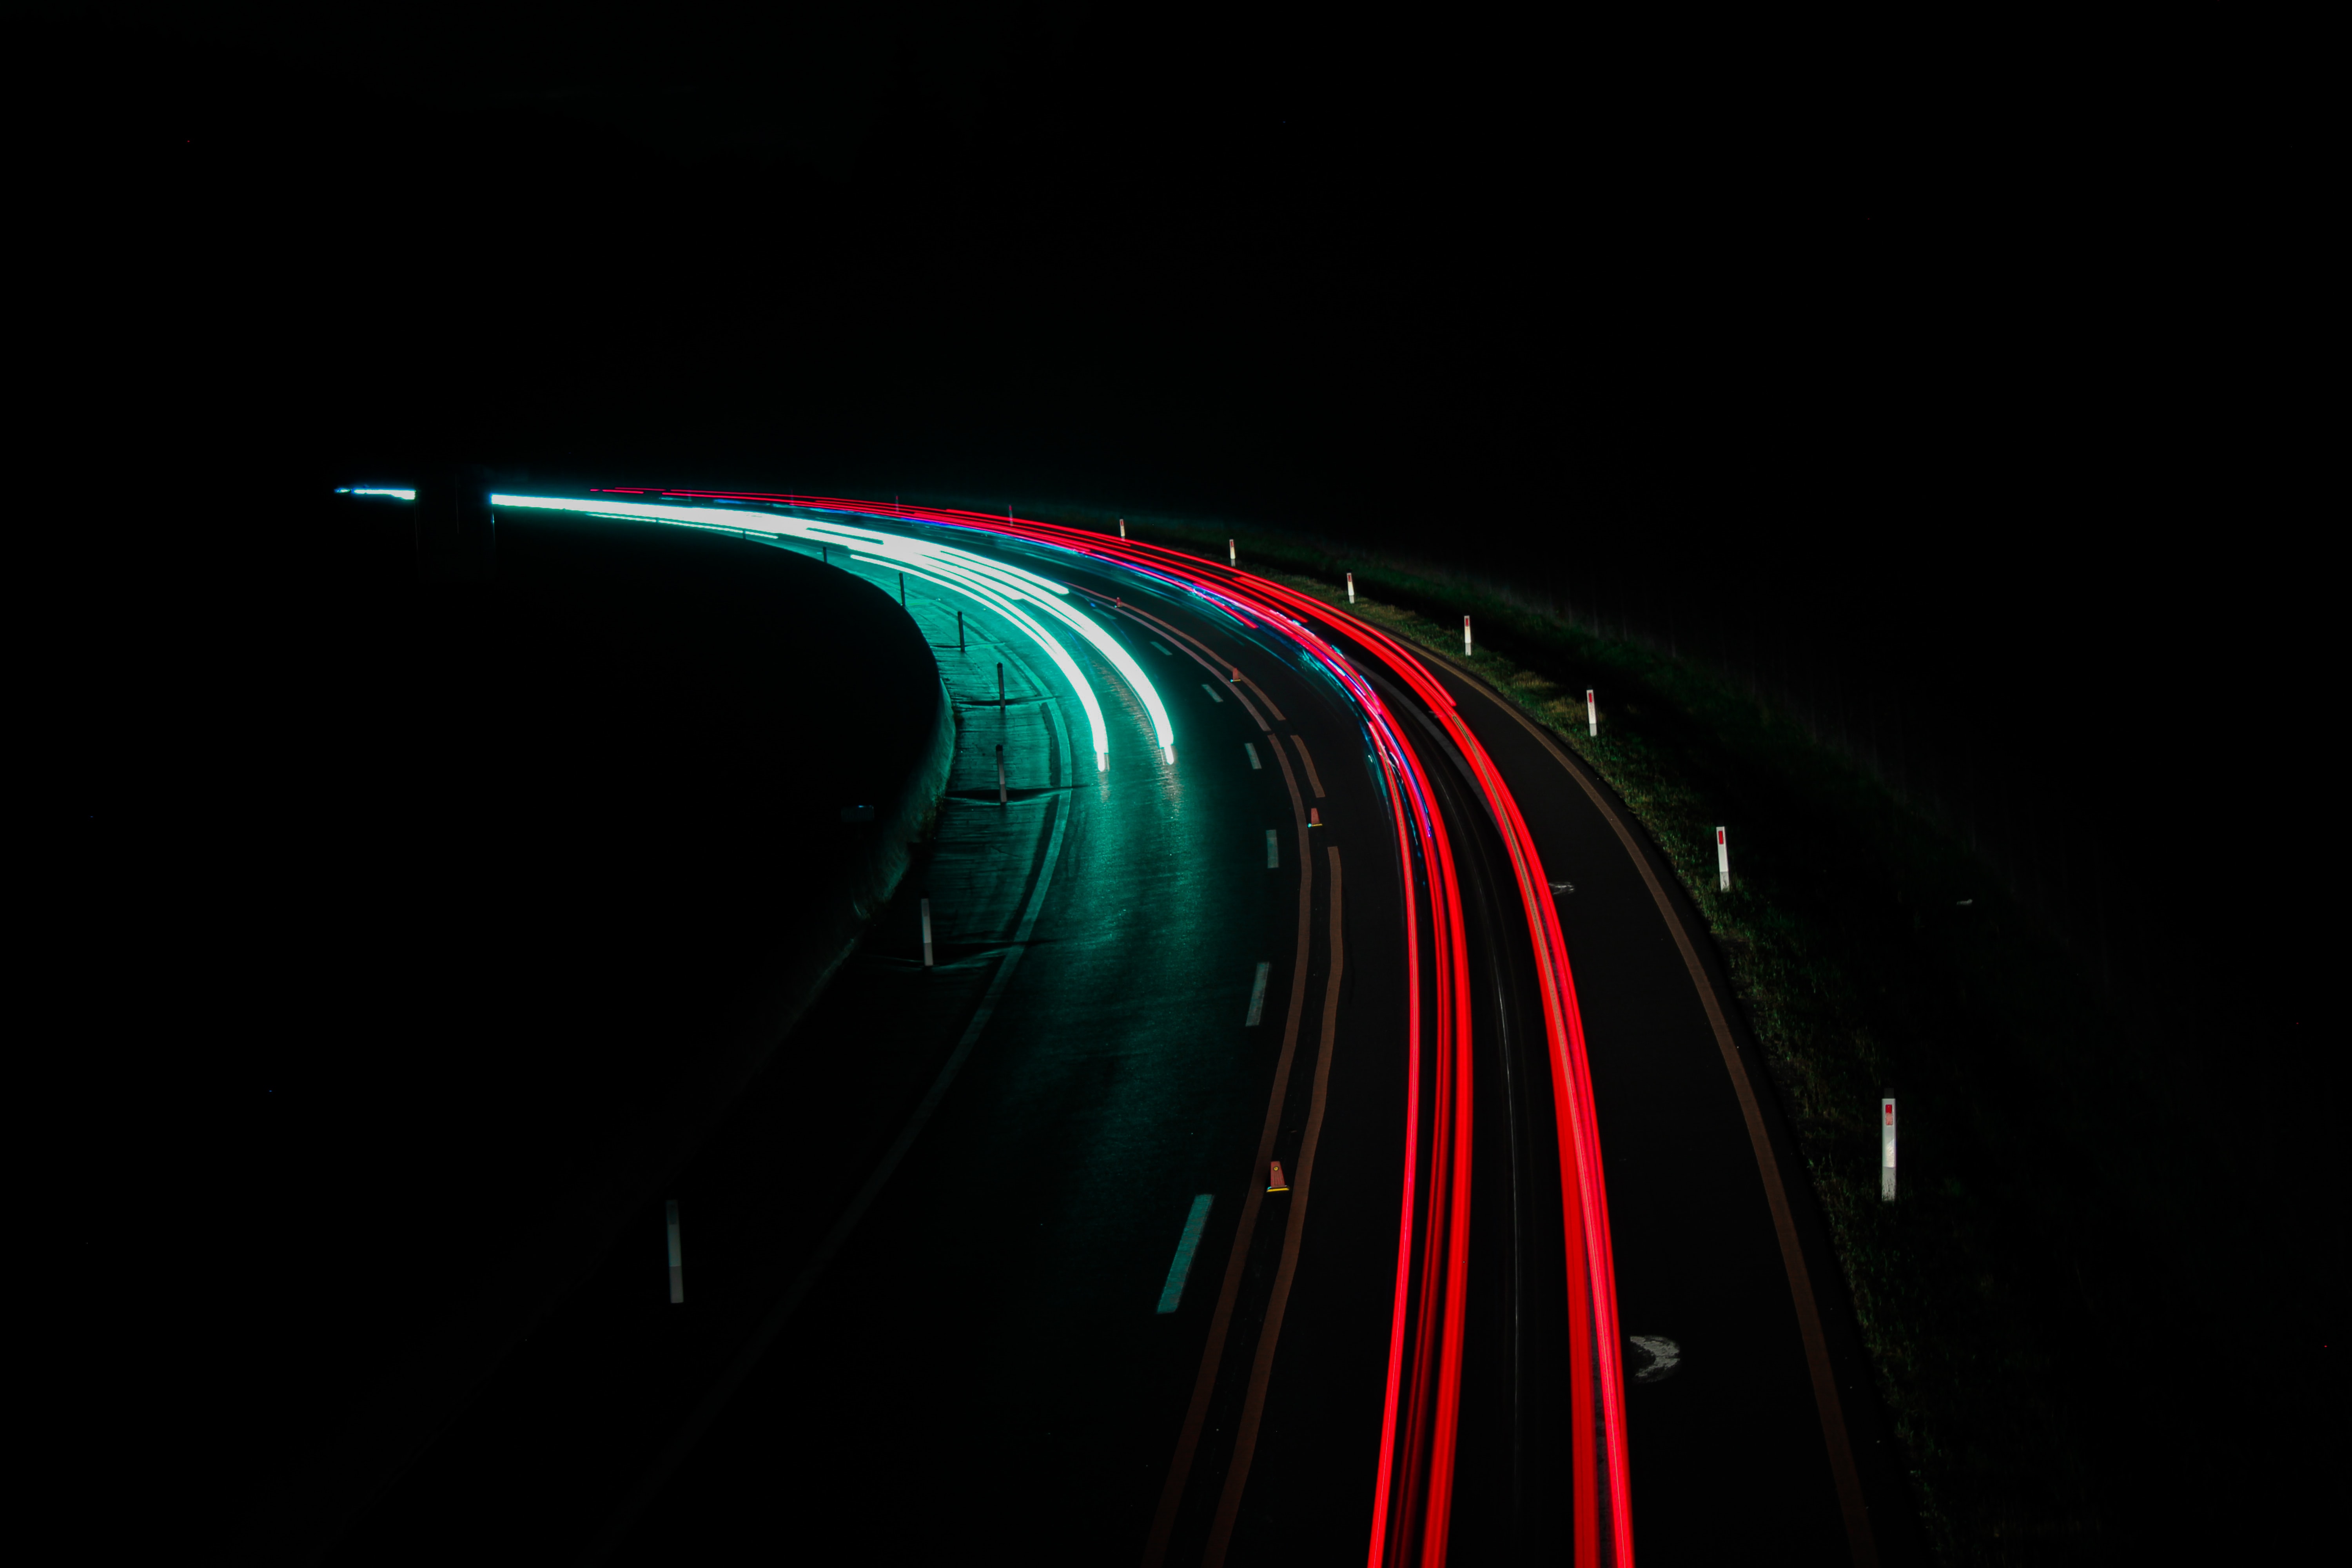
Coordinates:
<point>1955,369</point>
<point>1944,384</point>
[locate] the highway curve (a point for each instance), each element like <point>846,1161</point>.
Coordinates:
<point>1292,1001</point>
<point>1763,1443</point>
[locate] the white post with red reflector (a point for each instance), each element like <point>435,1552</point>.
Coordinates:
<point>1722,862</point>
<point>1466,636</point>
<point>1122,528</point>
<point>1886,1149</point>
<point>1230,559</point>
<point>1351,587</point>
<point>1592,713</point>
<point>927,934</point>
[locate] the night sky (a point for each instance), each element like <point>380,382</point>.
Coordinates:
<point>1921,360</point>
<point>1943,356</point>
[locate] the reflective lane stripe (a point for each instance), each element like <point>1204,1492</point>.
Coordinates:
<point>1212,692</point>
<point>1257,996</point>
<point>1186,1245</point>
<point>676,1263</point>
<point>1163,648</point>
<point>1256,766</point>
<point>1272,851</point>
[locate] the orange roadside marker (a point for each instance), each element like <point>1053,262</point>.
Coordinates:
<point>1279,1184</point>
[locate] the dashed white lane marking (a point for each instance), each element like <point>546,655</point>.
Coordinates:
<point>1257,996</point>
<point>1161,647</point>
<point>1256,766</point>
<point>1212,692</point>
<point>1272,851</point>
<point>1218,670</point>
<point>1186,1245</point>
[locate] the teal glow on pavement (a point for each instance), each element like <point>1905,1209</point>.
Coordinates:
<point>1037,634</point>
<point>1002,588</point>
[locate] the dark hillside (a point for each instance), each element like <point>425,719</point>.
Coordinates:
<point>452,892</point>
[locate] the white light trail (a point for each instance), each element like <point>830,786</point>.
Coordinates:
<point>1038,634</point>
<point>1001,588</point>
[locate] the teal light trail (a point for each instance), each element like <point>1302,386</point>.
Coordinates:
<point>1004,588</point>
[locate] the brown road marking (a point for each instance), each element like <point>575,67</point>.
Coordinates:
<point>1224,672</point>
<point>1243,697</point>
<point>1859,1538</point>
<point>1261,1370</point>
<point>1188,1441</point>
<point>1262,696</point>
<point>1218,670</point>
<point>1300,741</point>
<point>1229,672</point>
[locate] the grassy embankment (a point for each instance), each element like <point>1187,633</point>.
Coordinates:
<point>1869,949</point>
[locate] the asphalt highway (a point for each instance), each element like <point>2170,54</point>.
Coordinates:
<point>1157,1220</point>
<point>987,1359</point>
<point>982,1350</point>
<point>1736,1451</point>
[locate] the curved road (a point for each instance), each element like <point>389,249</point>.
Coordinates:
<point>1015,1249</point>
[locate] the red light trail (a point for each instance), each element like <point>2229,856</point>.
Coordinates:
<point>1412,1491</point>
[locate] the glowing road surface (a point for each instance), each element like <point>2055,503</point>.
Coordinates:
<point>1403,715</point>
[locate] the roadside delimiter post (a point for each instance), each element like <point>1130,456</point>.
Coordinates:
<point>1886,1148</point>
